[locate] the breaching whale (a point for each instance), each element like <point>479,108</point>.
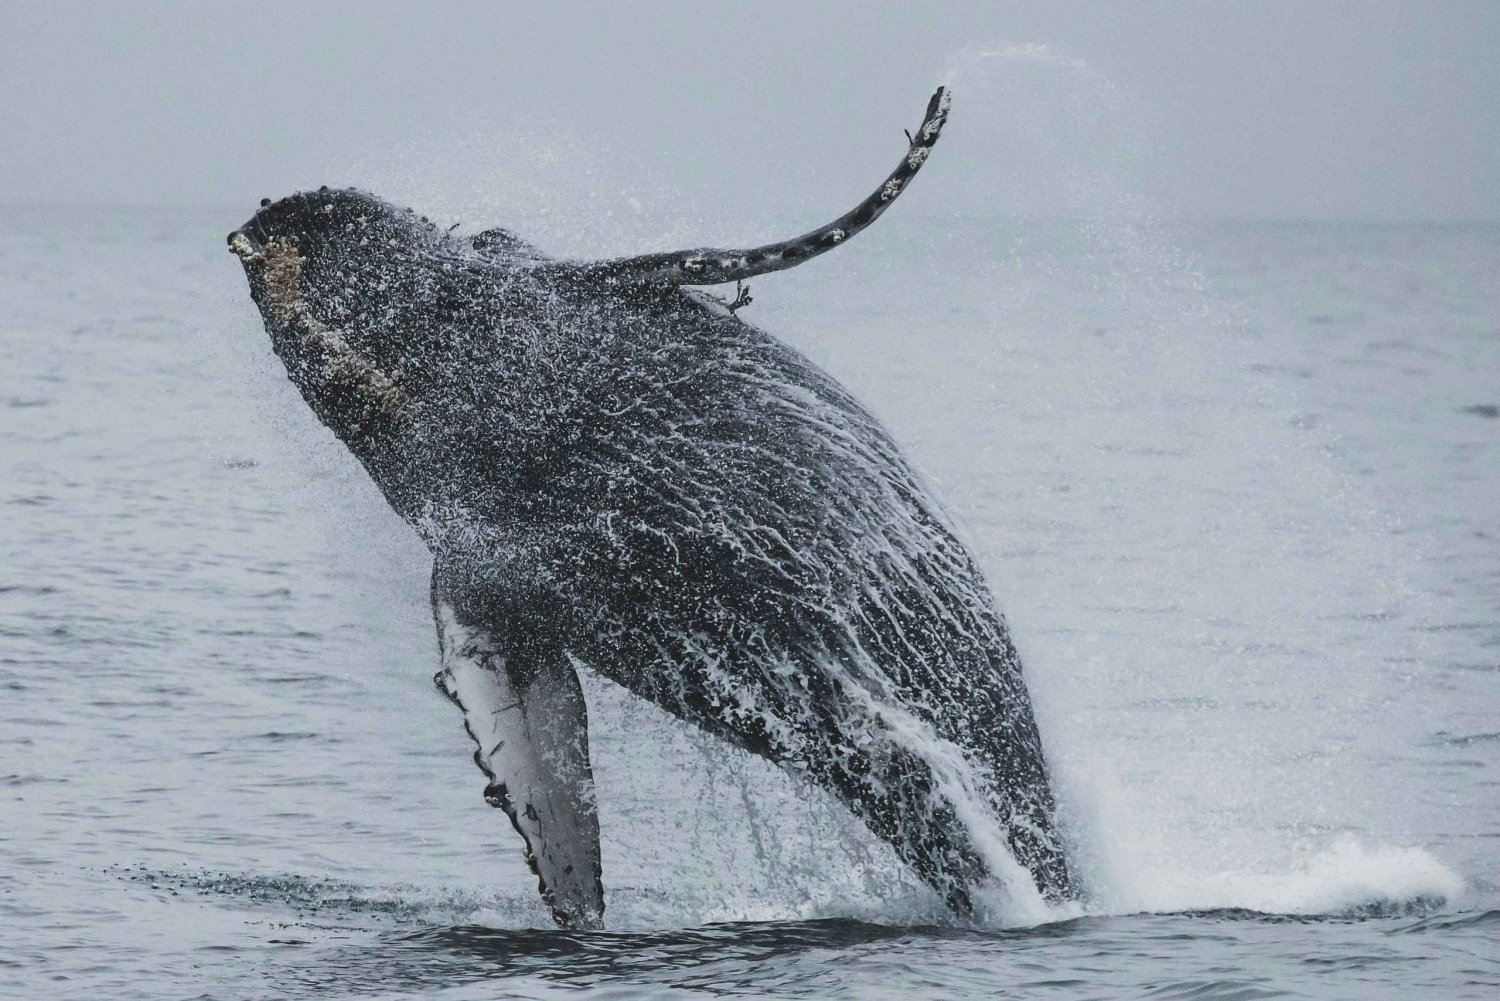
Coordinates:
<point>615,470</point>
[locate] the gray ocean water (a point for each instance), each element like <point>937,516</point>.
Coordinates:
<point>1236,485</point>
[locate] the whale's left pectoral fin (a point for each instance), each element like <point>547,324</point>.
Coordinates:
<point>527,716</point>
<point>712,266</point>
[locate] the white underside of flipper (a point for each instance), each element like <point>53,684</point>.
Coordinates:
<point>530,729</point>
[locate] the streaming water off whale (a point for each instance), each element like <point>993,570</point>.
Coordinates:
<point>1242,526</point>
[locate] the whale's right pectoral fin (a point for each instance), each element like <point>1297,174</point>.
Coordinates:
<point>527,717</point>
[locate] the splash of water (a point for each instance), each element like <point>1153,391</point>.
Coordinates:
<point>1192,744</point>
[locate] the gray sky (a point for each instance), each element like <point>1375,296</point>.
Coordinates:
<point>1372,109</point>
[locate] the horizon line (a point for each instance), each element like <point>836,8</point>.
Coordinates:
<point>1399,219</point>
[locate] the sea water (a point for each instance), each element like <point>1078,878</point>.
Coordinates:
<point>1234,485</point>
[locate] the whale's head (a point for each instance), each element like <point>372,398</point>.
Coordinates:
<point>337,239</point>
<point>338,259</point>
<point>343,281</point>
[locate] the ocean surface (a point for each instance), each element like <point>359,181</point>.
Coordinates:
<point>1236,486</point>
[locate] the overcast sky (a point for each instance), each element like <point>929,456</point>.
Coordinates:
<point>1370,109</point>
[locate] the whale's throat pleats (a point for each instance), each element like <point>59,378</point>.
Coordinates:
<point>524,708</point>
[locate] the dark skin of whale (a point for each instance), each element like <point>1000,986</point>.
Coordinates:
<point>613,469</point>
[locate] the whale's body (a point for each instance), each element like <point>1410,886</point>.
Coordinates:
<point>613,470</point>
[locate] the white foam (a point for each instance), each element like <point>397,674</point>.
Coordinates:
<point>1348,875</point>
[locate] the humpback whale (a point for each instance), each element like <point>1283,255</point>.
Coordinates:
<point>612,468</point>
